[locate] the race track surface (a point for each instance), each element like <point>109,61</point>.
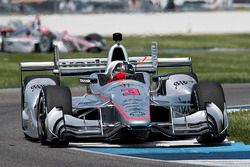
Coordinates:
<point>16,151</point>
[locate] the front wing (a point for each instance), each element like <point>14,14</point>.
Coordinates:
<point>61,126</point>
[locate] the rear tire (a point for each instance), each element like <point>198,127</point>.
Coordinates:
<point>24,84</point>
<point>96,38</point>
<point>201,94</point>
<point>94,50</point>
<point>52,96</point>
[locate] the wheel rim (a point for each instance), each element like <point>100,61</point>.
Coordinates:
<point>40,120</point>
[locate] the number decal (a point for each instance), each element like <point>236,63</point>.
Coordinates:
<point>130,92</point>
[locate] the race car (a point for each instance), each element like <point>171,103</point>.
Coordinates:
<point>19,37</point>
<point>126,100</point>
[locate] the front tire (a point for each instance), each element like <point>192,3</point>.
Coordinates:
<point>52,96</point>
<point>201,94</point>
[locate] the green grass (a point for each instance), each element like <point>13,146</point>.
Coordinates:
<point>239,126</point>
<point>226,67</point>
<point>189,41</point>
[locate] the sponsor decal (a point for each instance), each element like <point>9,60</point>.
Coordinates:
<point>38,87</point>
<point>87,81</point>
<point>181,83</point>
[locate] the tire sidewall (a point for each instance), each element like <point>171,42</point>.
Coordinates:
<point>41,117</point>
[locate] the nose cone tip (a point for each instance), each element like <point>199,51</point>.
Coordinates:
<point>144,123</point>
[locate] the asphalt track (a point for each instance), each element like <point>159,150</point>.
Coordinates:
<point>18,152</point>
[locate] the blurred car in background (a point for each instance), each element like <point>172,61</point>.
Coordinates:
<point>32,37</point>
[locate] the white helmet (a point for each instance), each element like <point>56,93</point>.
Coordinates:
<point>119,66</point>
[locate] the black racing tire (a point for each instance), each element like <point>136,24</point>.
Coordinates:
<point>208,138</point>
<point>208,92</point>
<point>50,97</point>
<point>27,137</point>
<point>2,44</point>
<point>41,115</point>
<point>94,37</point>
<point>94,50</point>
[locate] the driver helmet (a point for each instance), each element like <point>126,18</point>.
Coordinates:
<point>120,67</point>
<point>123,67</point>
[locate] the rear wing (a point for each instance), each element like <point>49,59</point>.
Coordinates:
<point>87,66</point>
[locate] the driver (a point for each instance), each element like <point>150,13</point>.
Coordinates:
<point>120,70</point>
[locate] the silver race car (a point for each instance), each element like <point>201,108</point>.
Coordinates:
<point>126,100</point>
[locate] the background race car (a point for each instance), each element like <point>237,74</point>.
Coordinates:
<point>32,37</point>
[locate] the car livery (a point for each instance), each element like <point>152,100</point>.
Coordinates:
<point>148,106</point>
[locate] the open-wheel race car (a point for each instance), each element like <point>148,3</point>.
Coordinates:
<point>120,103</point>
<point>33,37</point>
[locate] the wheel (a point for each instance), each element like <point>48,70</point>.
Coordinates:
<point>94,50</point>
<point>50,97</point>
<point>208,92</point>
<point>41,115</point>
<point>201,94</point>
<point>94,37</point>
<point>2,43</point>
<point>25,82</point>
